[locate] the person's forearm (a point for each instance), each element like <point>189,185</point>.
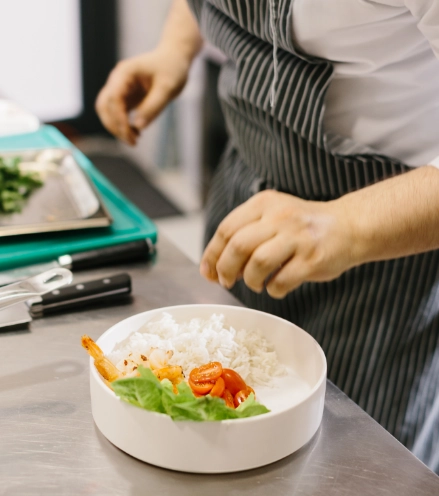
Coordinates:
<point>181,32</point>
<point>396,217</point>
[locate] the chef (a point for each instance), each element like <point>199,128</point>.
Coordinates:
<point>325,208</point>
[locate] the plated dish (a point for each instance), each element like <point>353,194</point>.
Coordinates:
<point>287,373</point>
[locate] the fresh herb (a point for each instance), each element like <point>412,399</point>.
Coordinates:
<point>149,393</point>
<point>15,185</point>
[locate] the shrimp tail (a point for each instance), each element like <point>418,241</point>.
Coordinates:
<point>92,348</point>
<point>107,370</point>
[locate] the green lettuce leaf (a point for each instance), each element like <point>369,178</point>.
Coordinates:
<point>149,393</point>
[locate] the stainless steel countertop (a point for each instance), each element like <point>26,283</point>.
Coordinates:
<point>49,444</point>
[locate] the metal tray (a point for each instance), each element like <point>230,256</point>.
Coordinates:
<point>67,200</point>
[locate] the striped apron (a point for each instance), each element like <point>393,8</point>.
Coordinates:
<point>378,323</point>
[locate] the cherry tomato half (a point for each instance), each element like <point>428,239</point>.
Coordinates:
<point>241,396</point>
<point>218,388</point>
<point>228,398</point>
<point>200,388</point>
<point>234,382</point>
<point>206,373</point>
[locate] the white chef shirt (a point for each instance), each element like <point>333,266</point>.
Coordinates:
<point>385,91</point>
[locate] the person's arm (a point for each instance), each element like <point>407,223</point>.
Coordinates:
<point>181,32</point>
<point>396,217</point>
<point>146,83</point>
<point>286,241</point>
<point>402,216</point>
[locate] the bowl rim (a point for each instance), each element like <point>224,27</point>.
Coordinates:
<point>270,414</point>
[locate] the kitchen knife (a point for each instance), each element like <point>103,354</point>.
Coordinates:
<point>34,287</point>
<point>125,252</point>
<point>64,299</point>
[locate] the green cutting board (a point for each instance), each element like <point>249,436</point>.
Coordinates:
<point>129,223</point>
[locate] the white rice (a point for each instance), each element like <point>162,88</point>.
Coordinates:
<point>199,341</point>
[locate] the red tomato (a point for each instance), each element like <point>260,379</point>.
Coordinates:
<point>234,382</point>
<point>218,388</point>
<point>228,398</point>
<point>200,388</point>
<point>206,373</point>
<point>251,390</point>
<point>241,396</point>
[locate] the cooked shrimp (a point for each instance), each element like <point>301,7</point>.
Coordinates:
<point>159,359</point>
<point>106,368</point>
<point>91,347</point>
<point>174,373</point>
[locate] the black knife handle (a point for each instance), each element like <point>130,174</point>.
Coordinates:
<point>125,252</point>
<point>81,294</point>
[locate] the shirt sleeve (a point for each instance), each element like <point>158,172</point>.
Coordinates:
<point>426,12</point>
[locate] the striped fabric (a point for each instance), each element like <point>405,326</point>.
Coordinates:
<point>378,323</point>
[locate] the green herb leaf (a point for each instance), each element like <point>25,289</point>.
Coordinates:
<point>149,393</point>
<point>15,186</point>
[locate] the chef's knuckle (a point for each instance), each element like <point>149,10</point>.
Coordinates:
<point>100,103</point>
<point>238,246</point>
<point>261,260</point>
<point>121,67</point>
<point>264,196</point>
<point>224,231</point>
<point>315,263</point>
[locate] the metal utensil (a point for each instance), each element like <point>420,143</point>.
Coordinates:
<point>34,286</point>
<point>106,290</point>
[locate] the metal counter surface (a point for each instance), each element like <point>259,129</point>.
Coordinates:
<point>49,444</point>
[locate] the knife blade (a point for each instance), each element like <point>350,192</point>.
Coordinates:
<point>133,251</point>
<point>65,299</point>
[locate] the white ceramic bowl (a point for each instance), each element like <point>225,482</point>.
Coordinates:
<point>296,403</point>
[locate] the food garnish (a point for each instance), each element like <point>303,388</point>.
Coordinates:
<point>146,391</point>
<point>15,185</point>
<point>215,380</point>
<point>205,396</point>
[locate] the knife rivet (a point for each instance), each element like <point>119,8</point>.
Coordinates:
<point>79,286</point>
<point>106,281</point>
<point>56,292</point>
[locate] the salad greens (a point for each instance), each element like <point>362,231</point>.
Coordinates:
<point>149,393</point>
<point>15,185</point>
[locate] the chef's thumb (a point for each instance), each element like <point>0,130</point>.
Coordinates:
<point>154,102</point>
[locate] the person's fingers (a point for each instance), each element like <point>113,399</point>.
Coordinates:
<point>111,109</point>
<point>116,99</point>
<point>239,249</point>
<point>151,106</point>
<point>267,259</point>
<point>245,214</point>
<point>289,277</point>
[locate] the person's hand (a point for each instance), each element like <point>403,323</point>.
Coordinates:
<point>278,241</point>
<point>144,84</point>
